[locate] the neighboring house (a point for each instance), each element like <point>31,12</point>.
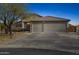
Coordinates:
<point>71,28</point>
<point>45,24</point>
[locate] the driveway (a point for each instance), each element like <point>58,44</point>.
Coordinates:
<point>51,41</point>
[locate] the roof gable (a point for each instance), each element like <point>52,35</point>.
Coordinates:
<point>35,17</point>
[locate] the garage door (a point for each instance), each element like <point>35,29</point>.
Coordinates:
<point>36,27</point>
<point>54,27</point>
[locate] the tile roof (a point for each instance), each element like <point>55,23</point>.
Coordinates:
<point>46,18</point>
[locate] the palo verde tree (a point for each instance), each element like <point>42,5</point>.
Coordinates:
<point>10,13</point>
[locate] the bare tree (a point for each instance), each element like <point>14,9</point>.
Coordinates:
<point>9,14</point>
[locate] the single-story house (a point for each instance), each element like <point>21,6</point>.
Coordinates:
<point>46,24</point>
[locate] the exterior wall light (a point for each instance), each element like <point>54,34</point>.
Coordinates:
<point>28,23</point>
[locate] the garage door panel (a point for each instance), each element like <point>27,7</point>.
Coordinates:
<point>54,27</point>
<point>36,27</point>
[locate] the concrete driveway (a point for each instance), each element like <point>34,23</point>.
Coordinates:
<point>50,41</point>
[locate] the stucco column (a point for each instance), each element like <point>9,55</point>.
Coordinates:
<point>31,27</point>
<point>22,25</point>
<point>67,26</point>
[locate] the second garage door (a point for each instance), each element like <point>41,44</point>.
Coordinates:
<point>54,27</point>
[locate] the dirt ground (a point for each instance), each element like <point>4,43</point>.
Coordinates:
<point>4,37</point>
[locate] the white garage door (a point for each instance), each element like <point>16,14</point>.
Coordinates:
<point>36,27</point>
<point>54,27</point>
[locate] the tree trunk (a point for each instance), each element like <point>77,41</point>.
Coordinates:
<point>6,30</point>
<point>10,31</point>
<point>1,29</point>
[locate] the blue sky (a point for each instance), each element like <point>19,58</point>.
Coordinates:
<point>63,10</point>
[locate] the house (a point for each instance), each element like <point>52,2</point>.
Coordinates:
<point>71,28</point>
<point>45,24</point>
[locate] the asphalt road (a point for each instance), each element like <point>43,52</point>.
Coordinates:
<point>32,51</point>
<point>47,41</point>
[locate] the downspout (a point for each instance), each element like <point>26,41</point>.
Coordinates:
<point>42,26</point>
<point>77,29</point>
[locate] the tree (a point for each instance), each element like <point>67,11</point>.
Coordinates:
<point>10,13</point>
<point>2,27</point>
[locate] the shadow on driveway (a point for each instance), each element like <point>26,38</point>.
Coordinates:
<point>32,51</point>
